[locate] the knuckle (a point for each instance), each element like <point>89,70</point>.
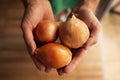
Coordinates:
<point>23,25</point>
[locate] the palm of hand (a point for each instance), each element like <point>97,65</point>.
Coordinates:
<point>94,26</point>
<point>34,13</point>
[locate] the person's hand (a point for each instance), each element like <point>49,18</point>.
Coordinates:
<point>34,13</point>
<point>93,24</point>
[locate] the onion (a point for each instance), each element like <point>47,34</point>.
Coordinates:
<point>73,33</point>
<point>46,31</point>
<point>53,55</point>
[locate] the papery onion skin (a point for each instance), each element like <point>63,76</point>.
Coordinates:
<point>53,55</point>
<point>73,33</point>
<point>46,31</point>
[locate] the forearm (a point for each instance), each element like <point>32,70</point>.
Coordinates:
<point>91,4</point>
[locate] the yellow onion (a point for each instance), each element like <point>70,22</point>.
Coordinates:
<point>46,31</point>
<point>53,55</point>
<point>73,33</point>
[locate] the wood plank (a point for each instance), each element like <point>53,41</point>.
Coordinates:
<point>12,43</point>
<point>11,31</point>
<point>8,14</point>
<point>13,4</point>
<point>14,57</point>
<point>111,46</point>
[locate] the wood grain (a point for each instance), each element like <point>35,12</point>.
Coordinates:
<point>15,62</point>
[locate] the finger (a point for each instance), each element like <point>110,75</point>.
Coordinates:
<point>94,32</point>
<point>28,37</point>
<point>48,69</point>
<point>30,20</point>
<point>89,43</point>
<point>39,65</point>
<point>61,71</point>
<point>70,67</point>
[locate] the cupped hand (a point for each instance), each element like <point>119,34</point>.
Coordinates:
<point>34,13</point>
<point>93,24</point>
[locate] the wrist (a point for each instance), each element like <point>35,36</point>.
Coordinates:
<point>90,4</point>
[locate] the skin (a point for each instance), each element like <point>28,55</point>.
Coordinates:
<point>38,10</point>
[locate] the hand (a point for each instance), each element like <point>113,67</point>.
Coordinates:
<point>93,24</point>
<point>34,13</point>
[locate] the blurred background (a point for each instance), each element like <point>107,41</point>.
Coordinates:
<point>101,62</point>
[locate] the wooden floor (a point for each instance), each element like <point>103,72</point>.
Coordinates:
<point>110,46</point>
<point>15,63</point>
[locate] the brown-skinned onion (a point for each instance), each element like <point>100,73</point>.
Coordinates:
<point>53,55</point>
<point>46,31</point>
<point>73,33</point>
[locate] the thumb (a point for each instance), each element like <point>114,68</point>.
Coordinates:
<point>28,38</point>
